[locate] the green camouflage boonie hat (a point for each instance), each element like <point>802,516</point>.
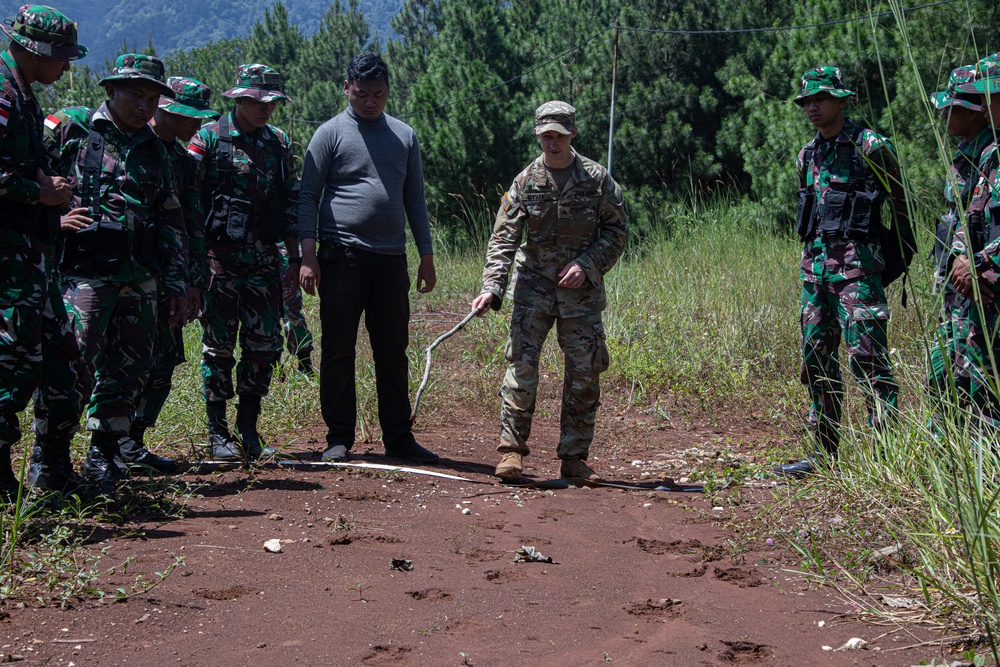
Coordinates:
<point>260,82</point>
<point>555,116</point>
<point>948,97</point>
<point>138,67</point>
<point>191,98</point>
<point>822,80</point>
<point>45,31</point>
<point>987,81</point>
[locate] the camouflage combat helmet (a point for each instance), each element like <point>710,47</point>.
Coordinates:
<point>44,31</point>
<point>190,98</point>
<point>259,82</point>
<point>987,81</point>
<point>138,67</point>
<point>951,96</point>
<point>822,80</point>
<point>555,116</point>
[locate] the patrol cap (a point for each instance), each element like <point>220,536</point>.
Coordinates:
<point>950,96</point>
<point>987,79</point>
<point>138,67</point>
<point>259,82</point>
<point>191,98</point>
<point>555,116</point>
<point>824,79</point>
<point>44,31</point>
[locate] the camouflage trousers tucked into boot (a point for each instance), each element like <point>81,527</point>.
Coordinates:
<point>586,353</point>
<point>857,310</point>
<point>947,374</point>
<point>242,304</point>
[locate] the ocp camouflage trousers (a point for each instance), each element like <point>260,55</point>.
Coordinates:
<point>298,338</point>
<point>243,303</point>
<point>586,357</point>
<point>168,353</point>
<point>857,308</point>
<point>115,325</point>
<point>37,348</point>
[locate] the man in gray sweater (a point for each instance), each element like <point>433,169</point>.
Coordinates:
<point>362,181</point>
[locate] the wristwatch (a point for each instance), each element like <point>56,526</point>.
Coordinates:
<point>982,262</point>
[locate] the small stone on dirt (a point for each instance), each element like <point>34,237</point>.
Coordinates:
<point>275,517</point>
<point>273,546</point>
<point>401,564</point>
<point>854,644</point>
<point>898,602</point>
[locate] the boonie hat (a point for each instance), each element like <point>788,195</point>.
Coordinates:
<point>190,99</point>
<point>138,67</point>
<point>987,80</point>
<point>555,116</point>
<point>260,82</point>
<point>949,97</point>
<point>824,79</point>
<point>44,31</point>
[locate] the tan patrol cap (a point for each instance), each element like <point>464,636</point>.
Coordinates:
<point>555,116</point>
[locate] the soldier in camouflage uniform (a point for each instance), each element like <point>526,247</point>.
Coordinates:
<point>563,223</point>
<point>845,172</point>
<point>177,120</point>
<point>964,114</point>
<point>36,341</point>
<point>123,241</point>
<point>976,249</point>
<point>250,191</point>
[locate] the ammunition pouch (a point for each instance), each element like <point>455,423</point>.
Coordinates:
<point>229,219</point>
<point>805,223</point>
<point>851,214</point>
<point>147,242</point>
<point>100,248</point>
<point>976,222</point>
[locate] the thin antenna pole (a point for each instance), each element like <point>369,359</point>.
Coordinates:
<point>614,78</point>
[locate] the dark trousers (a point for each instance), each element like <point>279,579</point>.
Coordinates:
<point>355,281</point>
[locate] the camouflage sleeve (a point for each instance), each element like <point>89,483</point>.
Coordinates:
<point>202,149</point>
<point>800,168</point>
<point>62,139</point>
<point>173,240</point>
<point>612,234</point>
<point>194,214</point>
<point>291,188</point>
<point>880,157</point>
<point>13,186</point>
<point>504,241</point>
<point>991,195</point>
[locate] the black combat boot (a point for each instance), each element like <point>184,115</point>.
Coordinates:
<point>824,452</point>
<point>8,480</point>
<point>51,468</point>
<point>247,414</point>
<point>134,455</point>
<point>100,468</point>
<point>224,447</point>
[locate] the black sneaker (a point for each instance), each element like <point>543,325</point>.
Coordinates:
<point>799,469</point>
<point>413,453</point>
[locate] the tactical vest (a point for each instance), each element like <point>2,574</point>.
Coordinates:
<point>853,210</point>
<point>981,231</point>
<point>31,219</point>
<point>230,218</point>
<point>104,247</point>
<point>850,210</point>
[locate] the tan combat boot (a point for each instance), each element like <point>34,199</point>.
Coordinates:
<point>577,469</point>
<point>509,467</point>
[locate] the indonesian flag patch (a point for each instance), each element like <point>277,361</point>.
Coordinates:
<point>4,116</point>
<point>52,122</point>
<point>196,150</point>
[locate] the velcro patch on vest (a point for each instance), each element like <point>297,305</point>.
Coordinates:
<point>586,193</point>
<point>541,196</point>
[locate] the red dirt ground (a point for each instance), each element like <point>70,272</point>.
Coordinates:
<point>640,577</point>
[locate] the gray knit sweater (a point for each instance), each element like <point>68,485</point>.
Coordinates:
<point>361,182</point>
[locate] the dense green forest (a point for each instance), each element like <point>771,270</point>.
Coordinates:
<point>108,25</point>
<point>695,113</point>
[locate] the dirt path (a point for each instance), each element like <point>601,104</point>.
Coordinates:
<point>640,578</point>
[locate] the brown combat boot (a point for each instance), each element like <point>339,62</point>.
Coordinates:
<point>577,469</point>
<point>510,466</point>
